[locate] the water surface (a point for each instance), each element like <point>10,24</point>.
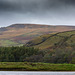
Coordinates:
<point>35,73</point>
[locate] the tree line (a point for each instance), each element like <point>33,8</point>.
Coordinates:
<point>30,54</point>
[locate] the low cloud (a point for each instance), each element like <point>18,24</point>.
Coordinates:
<point>52,12</point>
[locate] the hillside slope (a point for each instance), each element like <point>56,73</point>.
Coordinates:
<point>19,34</point>
<point>57,48</point>
<point>51,41</point>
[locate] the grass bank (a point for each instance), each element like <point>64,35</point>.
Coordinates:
<point>25,66</point>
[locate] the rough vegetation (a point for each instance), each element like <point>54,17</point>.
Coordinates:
<point>20,34</point>
<point>51,48</point>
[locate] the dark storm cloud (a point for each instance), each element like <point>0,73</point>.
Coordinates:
<point>37,11</point>
<point>69,1</point>
<point>20,5</point>
<point>6,6</point>
<point>32,5</point>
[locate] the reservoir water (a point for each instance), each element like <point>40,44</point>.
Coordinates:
<point>34,73</point>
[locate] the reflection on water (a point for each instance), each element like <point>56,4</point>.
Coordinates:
<point>35,73</point>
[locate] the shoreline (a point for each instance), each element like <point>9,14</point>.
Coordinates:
<point>42,71</point>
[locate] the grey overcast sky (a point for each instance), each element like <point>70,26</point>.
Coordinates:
<point>51,12</point>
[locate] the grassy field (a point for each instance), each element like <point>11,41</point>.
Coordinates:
<point>25,66</point>
<point>7,43</point>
